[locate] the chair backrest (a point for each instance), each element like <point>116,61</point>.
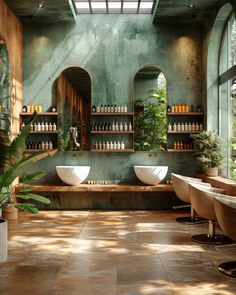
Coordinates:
<point>180,185</point>
<point>225,210</point>
<point>202,198</point>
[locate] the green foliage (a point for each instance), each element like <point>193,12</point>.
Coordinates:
<point>150,126</point>
<point>63,140</point>
<point>27,207</point>
<point>18,145</point>
<point>18,162</point>
<point>209,149</point>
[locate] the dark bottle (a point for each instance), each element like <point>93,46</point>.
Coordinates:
<point>199,109</point>
<point>93,108</point>
<point>168,109</point>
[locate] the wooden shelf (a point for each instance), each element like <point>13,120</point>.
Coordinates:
<point>38,150</point>
<point>112,132</point>
<point>186,114</point>
<point>112,151</point>
<point>40,114</point>
<point>126,187</point>
<point>182,132</point>
<point>112,114</point>
<point>181,151</point>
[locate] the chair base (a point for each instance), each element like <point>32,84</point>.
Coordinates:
<point>215,240</point>
<point>190,221</point>
<point>228,268</point>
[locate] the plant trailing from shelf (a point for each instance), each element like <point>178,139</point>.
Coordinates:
<point>209,150</point>
<point>13,163</point>
<point>150,125</point>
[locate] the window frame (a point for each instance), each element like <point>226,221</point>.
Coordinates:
<point>226,76</point>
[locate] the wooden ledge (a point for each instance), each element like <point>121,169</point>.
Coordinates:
<point>102,188</point>
<point>224,183</point>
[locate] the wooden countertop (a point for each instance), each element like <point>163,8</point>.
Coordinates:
<point>101,188</point>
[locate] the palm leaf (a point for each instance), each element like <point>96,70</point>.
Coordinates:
<point>4,148</point>
<point>38,198</point>
<point>17,170</point>
<point>18,145</point>
<point>27,207</point>
<point>25,188</point>
<point>32,176</point>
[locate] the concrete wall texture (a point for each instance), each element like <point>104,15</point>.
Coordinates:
<point>112,48</point>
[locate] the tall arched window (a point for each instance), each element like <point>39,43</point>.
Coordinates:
<point>227,97</point>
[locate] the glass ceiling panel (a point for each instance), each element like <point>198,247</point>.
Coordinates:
<point>114,6</point>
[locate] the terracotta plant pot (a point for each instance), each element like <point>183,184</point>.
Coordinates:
<point>3,240</point>
<point>9,213</point>
<point>212,172</point>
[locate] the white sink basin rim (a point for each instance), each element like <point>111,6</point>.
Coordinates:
<point>73,175</point>
<point>151,175</point>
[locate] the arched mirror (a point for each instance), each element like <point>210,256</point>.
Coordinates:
<point>4,79</point>
<point>73,96</point>
<point>149,110</point>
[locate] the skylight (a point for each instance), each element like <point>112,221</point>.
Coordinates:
<point>114,6</point>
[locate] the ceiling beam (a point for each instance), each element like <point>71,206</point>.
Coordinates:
<point>154,9</point>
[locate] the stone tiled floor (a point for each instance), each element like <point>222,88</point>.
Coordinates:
<point>111,253</point>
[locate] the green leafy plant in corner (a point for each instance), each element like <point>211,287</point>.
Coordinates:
<point>150,127</point>
<point>14,162</point>
<point>209,149</point>
<point>9,194</point>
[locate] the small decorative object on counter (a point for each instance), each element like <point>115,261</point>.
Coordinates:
<point>24,109</point>
<point>54,109</point>
<point>199,109</point>
<point>91,182</point>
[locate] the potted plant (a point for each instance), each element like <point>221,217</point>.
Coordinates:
<point>11,196</point>
<point>209,151</point>
<point>150,121</point>
<point>13,164</point>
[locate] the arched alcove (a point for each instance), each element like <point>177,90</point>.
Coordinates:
<point>213,66</point>
<point>149,109</point>
<point>73,100</point>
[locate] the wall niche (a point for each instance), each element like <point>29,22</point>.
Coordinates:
<point>150,110</point>
<point>73,99</point>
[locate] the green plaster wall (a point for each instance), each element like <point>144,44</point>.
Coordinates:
<point>112,48</point>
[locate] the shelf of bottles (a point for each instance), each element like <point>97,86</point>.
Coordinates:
<point>183,120</point>
<point>43,131</point>
<point>111,128</point>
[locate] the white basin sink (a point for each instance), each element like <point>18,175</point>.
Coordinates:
<point>72,175</point>
<point>151,174</point>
